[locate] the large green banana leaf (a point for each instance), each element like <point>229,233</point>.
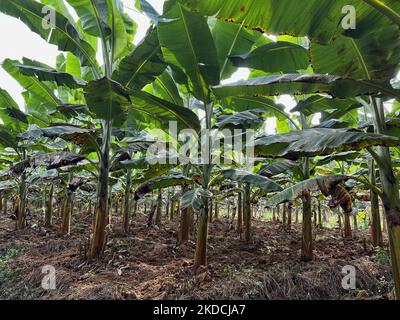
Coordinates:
<point>122,27</point>
<point>239,104</point>
<point>92,14</point>
<point>106,19</point>
<point>7,139</point>
<point>51,75</point>
<point>303,84</point>
<point>66,132</point>
<point>64,35</point>
<point>61,8</point>
<point>107,99</point>
<point>70,64</point>
<point>231,39</point>
<point>10,113</point>
<point>148,10</point>
<point>161,183</point>
<point>51,160</point>
<point>165,87</point>
<point>251,178</point>
<point>250,119</point>
<point>71,110</point>
<point>142,65</point>
<point>31,84</point>
<point>297,190</point>
<point>334,107</point>
<point>193,198</point>
<point>319,141</point>
<point>320,20</point>
<point>338,156</point>
<point>7,185</point>
<point>187,44</point>
<point>333,124</point>
<point>373,55</point>
<point>274,168</point>
<point>273,57</point>
<point>385,9</point>
<point>86,139</point>
<point>148,108</point>
<point>143,163</point>
<point>392,126</point>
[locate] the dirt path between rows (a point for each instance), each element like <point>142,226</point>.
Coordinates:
<point>148,264</point>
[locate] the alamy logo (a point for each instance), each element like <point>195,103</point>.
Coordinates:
<point>349,22</point>
<point>349,280</point>
<point>49,280</point>
<point>49,20</point>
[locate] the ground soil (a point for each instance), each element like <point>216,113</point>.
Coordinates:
<point>148,263</point>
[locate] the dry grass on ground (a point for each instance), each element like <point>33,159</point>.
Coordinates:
<point>149,264</point>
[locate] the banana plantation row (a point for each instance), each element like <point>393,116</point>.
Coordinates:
<point>82,137</point>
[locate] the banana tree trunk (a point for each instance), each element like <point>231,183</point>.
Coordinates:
<point>210,210</point>
<point>127,204</point>
<point>49,208</point>
<point>278,207</point>
<point>240,215</point>
<point>167,206</point>
<point>233,217</point>
<point>289,216</point>
<point>200,258</point>
<point>306,244</point>
<point>171,210</point>
<point>202,232</point>
<point>66,219</point>
<point>376,230</point>
<point>185,225</point>
<point>98,238</point>
<point>307,241</point>
<point>150,217</point>
<point>284,215</point>
<point>315,222</point>
<point>185,220</point>
<point>391,205</point>
<point>135,207</point>
<point>159,208</point>
<point>247,214</point>
<point>22,203</point>
<point>319,214</point>
<point>347,227</point>
<point>89,210</point>
<point>5,204</point>
<point>110,206</point>
<point>390,193</point>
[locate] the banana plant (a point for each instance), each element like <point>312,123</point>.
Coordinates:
<point>355,44</point>
<point>109,91</point>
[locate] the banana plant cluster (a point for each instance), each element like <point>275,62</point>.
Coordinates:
<point>89,119</point>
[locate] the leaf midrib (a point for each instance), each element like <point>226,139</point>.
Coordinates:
<point>198,73</point>
<point>141,66</point>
